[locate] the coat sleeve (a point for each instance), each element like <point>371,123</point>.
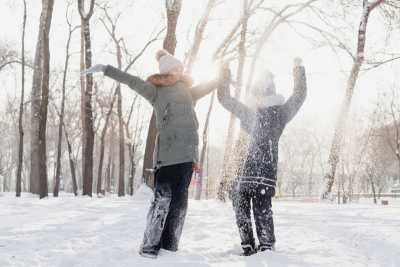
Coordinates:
<point>203,89</point>
<point>143,88</point>
<point>241,111</point>
<point>296,100</point>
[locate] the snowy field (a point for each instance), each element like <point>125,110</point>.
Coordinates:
<point>80,231</point>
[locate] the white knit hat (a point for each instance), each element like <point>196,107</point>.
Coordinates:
<point>167,62</point>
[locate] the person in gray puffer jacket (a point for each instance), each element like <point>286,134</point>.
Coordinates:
<point>176,152</point>
<point>255,184</point>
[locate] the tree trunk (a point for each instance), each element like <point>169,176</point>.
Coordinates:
<point>61,117</point>
<point>108,173</point>
<point>35,107</point>
<point>21,109</point>
<point>39,102</point>
<point>110,164</point>
<point>335,149</point>
<point>82,114</point>
<point>132,149</point>
<point>121,136</point>
<point>88,131</point>
<point>199,178</point>
<point>373,189</point>
<point>173,11</point>
<point>71,162</point>
<point>102,144</point>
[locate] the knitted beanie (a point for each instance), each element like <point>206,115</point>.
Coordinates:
<point>167,62</point>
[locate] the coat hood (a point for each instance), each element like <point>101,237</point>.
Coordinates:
<point>257,102</point>
<point>162,80</point>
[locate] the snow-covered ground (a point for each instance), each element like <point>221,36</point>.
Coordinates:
<point>71,231</point>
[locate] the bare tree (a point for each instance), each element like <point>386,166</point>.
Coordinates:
<point>173,8</point>
<point>21,109</point>
<point>351,83</point>
<point>71,30</point>
<point>87,88</point>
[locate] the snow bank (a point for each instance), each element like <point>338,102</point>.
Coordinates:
<point>86,232</point>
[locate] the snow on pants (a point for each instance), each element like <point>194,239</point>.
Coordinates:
<point>168,210</point>
<point>259,196</point>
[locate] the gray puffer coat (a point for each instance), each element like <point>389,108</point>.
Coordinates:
<point>177,138</point>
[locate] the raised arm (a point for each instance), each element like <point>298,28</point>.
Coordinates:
<point>245,115</point>
<point>294,103</point>
<point>143,88</point>
<point>203,89</point>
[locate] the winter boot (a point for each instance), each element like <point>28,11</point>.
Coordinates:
<point>151,254</point>
<point>262,248</point>
<point>248,250</point>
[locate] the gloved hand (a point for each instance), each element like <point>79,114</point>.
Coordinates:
<point>94,69</point>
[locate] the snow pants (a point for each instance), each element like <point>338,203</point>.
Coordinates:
<point>167,212</point>
<point>245,195</point>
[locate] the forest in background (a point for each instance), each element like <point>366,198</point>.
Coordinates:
<point>66,132</point>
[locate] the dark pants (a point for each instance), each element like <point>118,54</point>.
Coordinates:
<point>244,195</point>
<point>168,211</point>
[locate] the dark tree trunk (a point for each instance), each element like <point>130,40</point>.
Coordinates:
<point>21,109</point>
<point>39,103</point>
<point>373,190</point>
<point>88,130</point>
<point>121,136</point>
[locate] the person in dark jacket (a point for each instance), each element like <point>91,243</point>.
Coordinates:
<point>176,152</point>
<point>255,184</point>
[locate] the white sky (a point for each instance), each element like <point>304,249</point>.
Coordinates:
<point>141,17</point>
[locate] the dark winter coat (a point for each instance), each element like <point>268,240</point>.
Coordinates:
<point>173,102</point>
<point>265,127</point>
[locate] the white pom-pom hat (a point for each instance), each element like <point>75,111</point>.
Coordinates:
<point>167,62</point>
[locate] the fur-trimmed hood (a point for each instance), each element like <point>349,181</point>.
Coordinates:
<point>162,80</point>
